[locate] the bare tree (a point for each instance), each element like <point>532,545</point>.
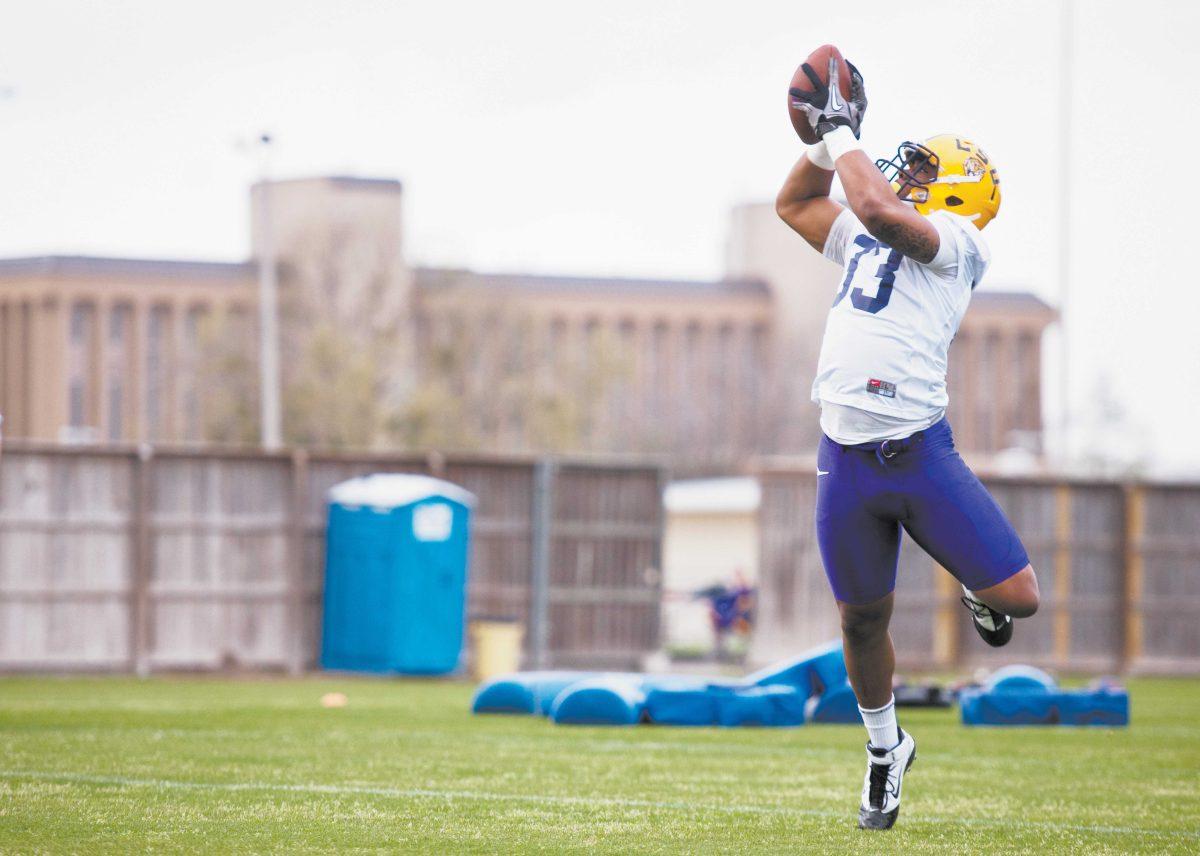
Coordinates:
<point>345,320</point>
<point>227,378</point>
<point>489,378</point>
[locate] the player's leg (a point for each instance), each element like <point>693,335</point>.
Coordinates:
<point>871,660</point>
<point>870,663</point>
<point>1017,596</point>
<point>860,547</point>
<point>994,608</point>
<point>952,517</point>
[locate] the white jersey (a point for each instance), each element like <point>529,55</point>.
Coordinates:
<point>888,335</point>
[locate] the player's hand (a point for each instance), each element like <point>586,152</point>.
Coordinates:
<point>824,107</point>
<point>858,99</point>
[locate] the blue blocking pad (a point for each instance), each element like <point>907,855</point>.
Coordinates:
<point>682,703</point>
<point>772,705</point>
<point>1022,695</point>
<point>776,696</point>
<point>605,700</point>
<point>812,672</point>
<point>1095,707</point>
<point>1020,679</point>
<point>524,692</point>
<point>1058,707</point>
<point>837,705</point>
<point>809,688</point>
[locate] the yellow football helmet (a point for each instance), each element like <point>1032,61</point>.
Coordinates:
<point>946,172</point>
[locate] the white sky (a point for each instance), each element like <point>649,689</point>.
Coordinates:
<point>613,137</point>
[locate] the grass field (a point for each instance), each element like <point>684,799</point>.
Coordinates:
<point>116,764</point>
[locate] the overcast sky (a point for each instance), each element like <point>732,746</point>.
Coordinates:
<point>613,137</point>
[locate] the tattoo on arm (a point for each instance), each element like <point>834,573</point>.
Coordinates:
<point>916,243</point>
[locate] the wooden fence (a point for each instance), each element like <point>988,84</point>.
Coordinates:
<point>120,559</point>
<point>1118,566</point>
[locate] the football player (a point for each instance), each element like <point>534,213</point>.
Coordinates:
<point>912,252</point>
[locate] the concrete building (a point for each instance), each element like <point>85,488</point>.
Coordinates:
<point>99,349</point>
<point>105,350</point>
<point>656,366</point>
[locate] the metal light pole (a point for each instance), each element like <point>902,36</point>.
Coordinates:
<point>1065,109</point>
<point>268,311</point>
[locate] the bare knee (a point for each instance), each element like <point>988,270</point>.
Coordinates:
<point>1027,597</point>
<point>1017,596</point>
<point>865,623</point>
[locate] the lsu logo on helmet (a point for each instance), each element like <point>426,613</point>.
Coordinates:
<point>946,172</point>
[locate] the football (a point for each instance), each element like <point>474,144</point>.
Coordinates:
<point>819,60</point>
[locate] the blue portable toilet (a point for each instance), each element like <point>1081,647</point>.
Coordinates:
<point>396,574</point>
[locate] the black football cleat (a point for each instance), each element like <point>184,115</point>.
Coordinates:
<point>995,628</point>
<point>880,804</point>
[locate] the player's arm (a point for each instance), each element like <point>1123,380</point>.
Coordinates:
<point>836,122</point>
<point>878,208</point>
<point>804,204</point>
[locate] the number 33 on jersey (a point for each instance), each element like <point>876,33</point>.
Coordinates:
<point>894,318</point>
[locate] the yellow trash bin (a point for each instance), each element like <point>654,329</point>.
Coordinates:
<point>495,646</point>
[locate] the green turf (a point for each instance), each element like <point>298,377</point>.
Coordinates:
<point>103,765</point>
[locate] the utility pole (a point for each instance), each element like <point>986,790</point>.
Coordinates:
<point>1065,108</point>
<point>268,310</point>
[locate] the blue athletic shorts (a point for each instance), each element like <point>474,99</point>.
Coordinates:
<point>866,493</point>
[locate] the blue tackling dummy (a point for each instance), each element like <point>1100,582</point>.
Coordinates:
<point>808,688</point>
<point>1023,695</point>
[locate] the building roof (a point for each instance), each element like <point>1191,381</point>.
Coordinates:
<point>352,182</point>
<point>1025,301</point>
<point>434,278</point>
<point>376,183</point>
<point>739,495</point>
<point>107,266</point>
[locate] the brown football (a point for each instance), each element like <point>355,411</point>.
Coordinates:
<point>819,60</point>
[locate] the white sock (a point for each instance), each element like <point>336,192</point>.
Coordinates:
<point>881,724</point>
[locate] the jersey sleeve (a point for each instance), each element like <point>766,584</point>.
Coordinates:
<point>840,236</point>
<point>962,253</point>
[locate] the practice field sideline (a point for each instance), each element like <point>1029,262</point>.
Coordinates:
<point>104,764</point>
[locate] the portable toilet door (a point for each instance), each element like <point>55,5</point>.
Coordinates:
<point>396,574</point>
<point>433,570</point>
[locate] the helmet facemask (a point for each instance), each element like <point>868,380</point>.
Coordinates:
<point>910,171</point>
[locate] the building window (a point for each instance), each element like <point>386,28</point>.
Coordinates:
<point>79,368</point>
<point>192,331</point>
<point>118,322</point>
<point>690,364</point>
<point>1028,401</point>
<point>553,341</point>
<point>592,340</point>
<point>4,334</point>
<point>157,371</point>
<point>76,416</point>
<point>691,389</point>
<point>117,368</point>
<point>116,417</point>
<point>723,384</point>
<point>658,373</point>
<point>986,410</point>
<point>81,316</point>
